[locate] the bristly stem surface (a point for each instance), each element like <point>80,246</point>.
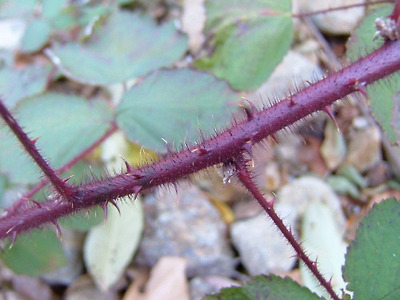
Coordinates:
<point>222,148</point>
<point>59,184</point>
<point>245,178</point>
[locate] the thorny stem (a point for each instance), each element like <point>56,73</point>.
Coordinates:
<point>219,149</point>
<point>245,178</point>
<point>30,147</point>
<point>225,147</point>
<point>72,162</point>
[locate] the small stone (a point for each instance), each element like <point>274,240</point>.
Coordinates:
<point>11,31</point>
<point>333,148</point>
<point>202,286</point>
<point>185,225</point>
<point>392,153</point>
<point>83,288</point>
<point>336,22</point>
<point>293,198</point>
<point>379,174</point>
<point>364,149</point>
<point>287,153</point>
<point>32,288</point>
<point>193,22</point>
<point>273,177</point>
<point>261,247</point>
<point>294,70</point>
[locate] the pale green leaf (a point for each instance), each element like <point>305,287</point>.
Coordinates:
<point>174,105</point>
<point>126,46</point>
<point>52,8</point>
<point>110,247</point>
<point>322,240</point>
<point>36,35</point>
<point>65,125</point>
<point>16,84</point>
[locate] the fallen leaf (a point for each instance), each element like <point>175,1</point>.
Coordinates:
<point>168,280</point>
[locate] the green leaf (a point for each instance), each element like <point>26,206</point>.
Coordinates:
<point>3,183</point>
<point>16,84</point>
<point>174,104</point>
<point>353,175</point>
<point>384,98</point>
<point>127,46</point>
<point>362,40</point>
<point>51,8</point>
<point>343,186</point>
<point>266,287</point>
<point>36,35</point>
<point>35,253</point>
<point>384,95</point>
<point>110,247</point>
<point>250,39</point>
<point>65,124</point>
<point>16,8</point>
<point>373,259</point>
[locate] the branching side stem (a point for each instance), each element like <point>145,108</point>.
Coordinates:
<point>30,147</point>
<point>245,178</point>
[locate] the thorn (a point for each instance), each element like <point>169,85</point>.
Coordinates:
<point>112,202</point>
<point>58,229</point>
<point>91,171</point>
<point>201,151</point>
<point>274,138</point>
<point>129,168</point>
<point>68,178</point>
<point>249,110</point>
<point>136,174</point>
<point>203,138</point>
<point>358,86</point>
<point>34,140</point>
<point>38,204</point>
<point>13,239</point>
<point>136,191</point>
<point>361,88</point>
<point>271,202</point>
<point>247,147</point>
<point>328,111</point>
<point>169,151</point>
<point>175,186</point>
<point>105,210</point>
<point>292,101</point>
<point>315,263</point>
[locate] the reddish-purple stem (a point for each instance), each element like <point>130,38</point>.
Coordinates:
<point>30,147</point>
<point>246,179</point>
<point>220,149</point>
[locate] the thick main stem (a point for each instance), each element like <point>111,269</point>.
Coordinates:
<point>245,178</point>
<point>219,149</point>
<point>30,147</point>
